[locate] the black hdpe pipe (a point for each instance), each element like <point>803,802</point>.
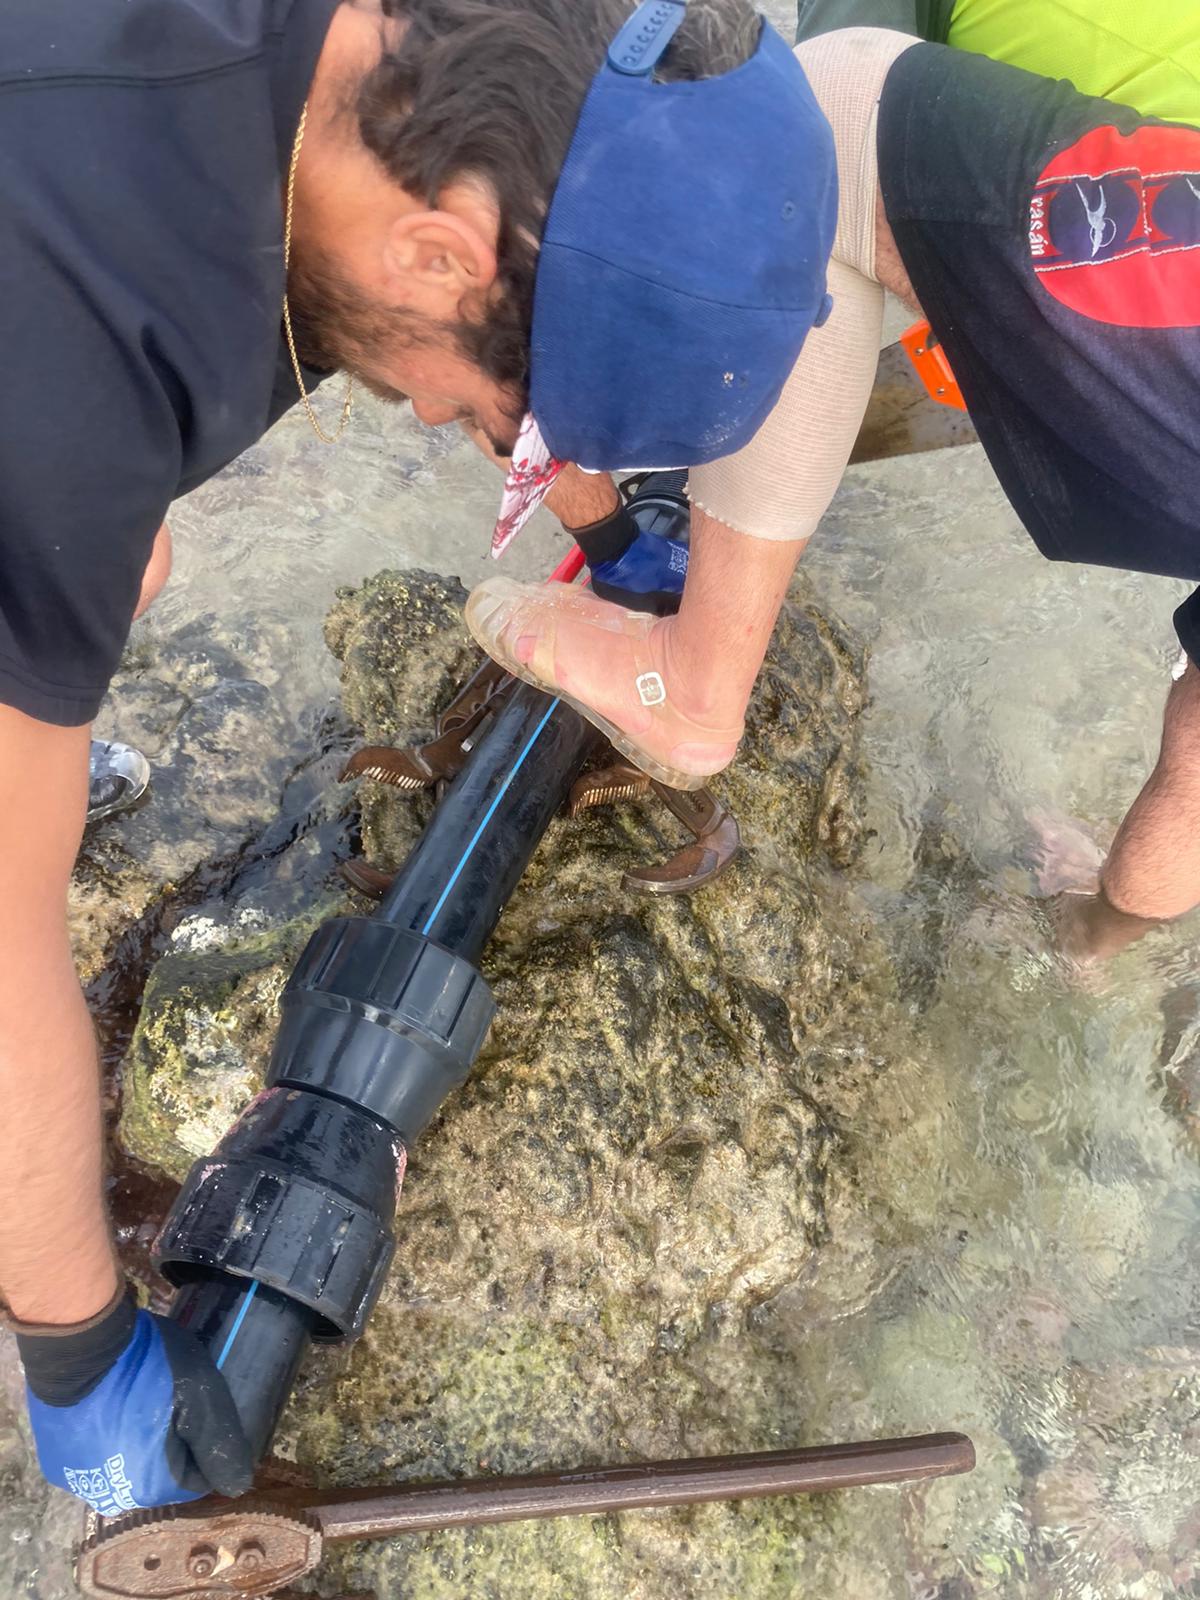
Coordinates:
<point>284,1234</point>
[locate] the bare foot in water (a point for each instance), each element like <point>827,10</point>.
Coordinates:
<point>1067,862</point>
<point>1065,856</point>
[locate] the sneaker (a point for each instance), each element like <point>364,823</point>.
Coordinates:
<point>118,777</point>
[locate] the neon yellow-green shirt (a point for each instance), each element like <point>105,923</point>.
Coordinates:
<point>1144,53</point>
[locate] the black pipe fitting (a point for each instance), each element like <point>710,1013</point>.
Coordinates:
<point>299,1196</point>
<point>284,1234</point>
<point>381,1018</point>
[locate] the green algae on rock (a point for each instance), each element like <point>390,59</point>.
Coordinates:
<point>641,1159</point>
<point>200,1050</point>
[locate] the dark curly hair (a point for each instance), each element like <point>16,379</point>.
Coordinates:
<point>491,90</point>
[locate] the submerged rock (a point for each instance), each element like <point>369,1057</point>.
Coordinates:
<point>645,1154</point>
<point>733,1172</point>
<point>206,712</point>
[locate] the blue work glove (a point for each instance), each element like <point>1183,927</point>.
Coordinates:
<point>648,577</point>
<point>636,556</point>
<point>129,1411</point>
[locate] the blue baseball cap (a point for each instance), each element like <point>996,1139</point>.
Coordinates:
<point>682,264</point>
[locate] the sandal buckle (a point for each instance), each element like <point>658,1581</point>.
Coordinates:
<point>652,691</point>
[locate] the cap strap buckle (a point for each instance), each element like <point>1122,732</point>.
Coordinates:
<point>641,43</point>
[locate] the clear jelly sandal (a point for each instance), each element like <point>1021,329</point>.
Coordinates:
<point>662,740</point>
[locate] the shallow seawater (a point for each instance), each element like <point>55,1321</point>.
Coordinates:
<point>1028,1267</point>
<point>1040,1214</point>
<point>1040,1205</point>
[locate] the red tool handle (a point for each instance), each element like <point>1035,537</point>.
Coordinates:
<point>569,568</point>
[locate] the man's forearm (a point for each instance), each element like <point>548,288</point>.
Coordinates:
<point>580,498</point>
<point>1153,869</point>
<point>577,498</point>
<point>56,1260</point>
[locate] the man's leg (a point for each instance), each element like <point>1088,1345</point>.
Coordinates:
<point>158,570</point>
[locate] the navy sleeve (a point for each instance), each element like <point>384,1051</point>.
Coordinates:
<point>89,457</point>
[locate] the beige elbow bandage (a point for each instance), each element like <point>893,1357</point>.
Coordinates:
<point>780,485</point>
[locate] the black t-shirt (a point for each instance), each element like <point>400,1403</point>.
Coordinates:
<point>1053,241</point>
<point>143,148</point>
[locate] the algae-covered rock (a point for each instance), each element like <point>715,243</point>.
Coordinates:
<point>206,712</point>
<point>715,1184</point>
<point>200,1050</point>
<point>403,650</point>
<point>644,1155</point>
<point>636,1154</point>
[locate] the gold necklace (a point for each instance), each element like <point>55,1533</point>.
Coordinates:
<point>348,402</point>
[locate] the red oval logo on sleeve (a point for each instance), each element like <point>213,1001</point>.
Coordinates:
<point>1114,227</point>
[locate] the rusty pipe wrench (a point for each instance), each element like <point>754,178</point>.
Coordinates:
<point>222,1549</point>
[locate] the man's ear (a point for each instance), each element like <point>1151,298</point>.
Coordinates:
<point>438,259</point>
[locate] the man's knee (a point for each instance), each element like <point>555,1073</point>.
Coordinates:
<point>158,570</point>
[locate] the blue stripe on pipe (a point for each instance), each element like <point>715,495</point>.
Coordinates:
<point>433,916</point>
<point>241,1317</point>
<point>490,813</point>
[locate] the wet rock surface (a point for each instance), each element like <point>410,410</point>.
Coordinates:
<point>736,1172</point>
<point>642,1160</point>
<point>205,709</point>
